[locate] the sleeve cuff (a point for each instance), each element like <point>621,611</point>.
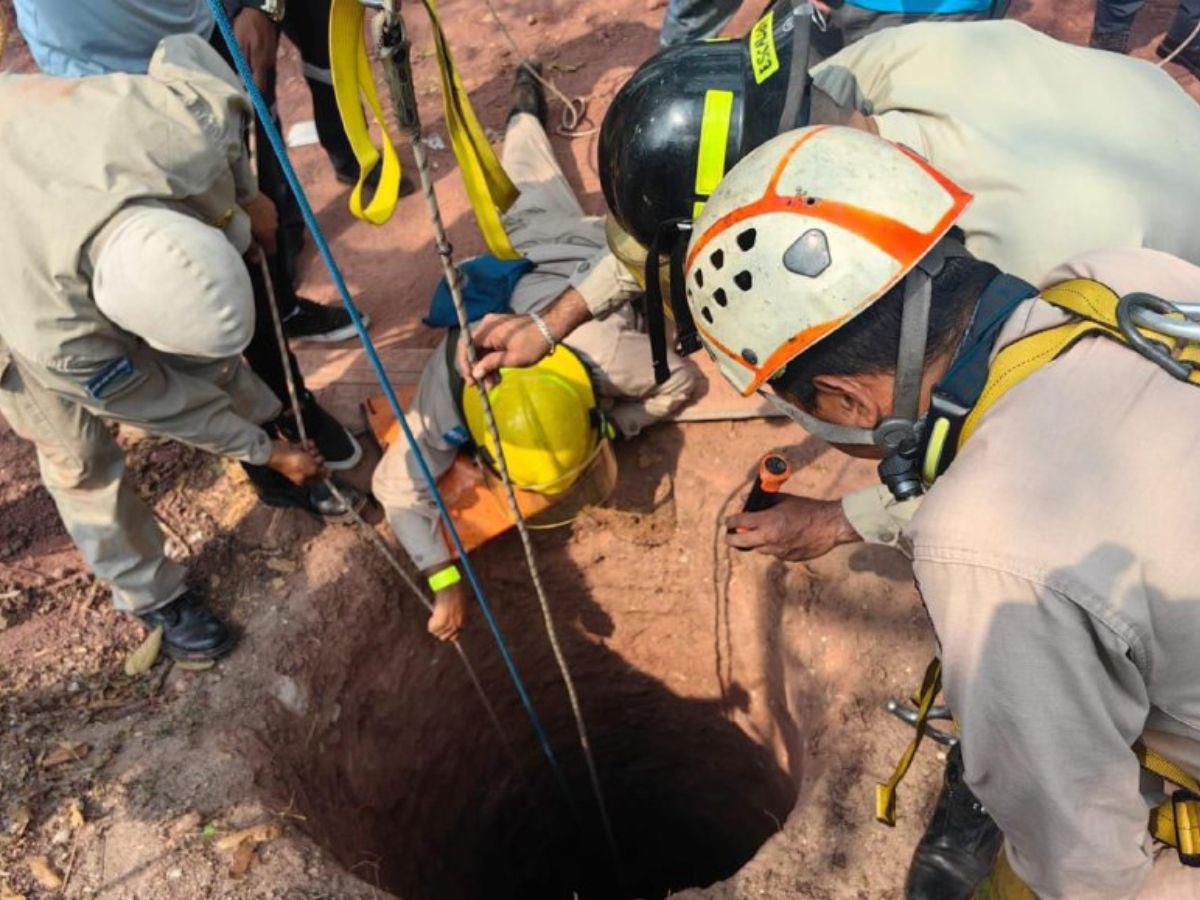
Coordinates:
<point>878,516</point>
<point>604,283</point>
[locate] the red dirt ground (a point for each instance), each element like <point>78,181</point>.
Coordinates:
<point>338,722</point>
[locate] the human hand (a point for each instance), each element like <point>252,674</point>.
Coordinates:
<point>795,529</point>
<point>259,43</point>
<point>501,340</point>
<point>264,222</point>
<point>299,464</point>
<point>449,612</point>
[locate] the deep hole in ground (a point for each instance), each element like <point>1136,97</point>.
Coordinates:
<point>398,773</point>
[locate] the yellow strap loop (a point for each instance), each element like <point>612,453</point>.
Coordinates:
<point>885,792</point>
<point>354,83</point>
<point>489,188</point>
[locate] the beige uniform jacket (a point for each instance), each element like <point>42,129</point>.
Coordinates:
<point>1065,149</point>
<point>173,136</point>
<point>1058,561</point>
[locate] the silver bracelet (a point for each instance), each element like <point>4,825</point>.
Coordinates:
<point>544,329</point>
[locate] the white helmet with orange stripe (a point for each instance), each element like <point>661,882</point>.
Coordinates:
<point>803,234</point>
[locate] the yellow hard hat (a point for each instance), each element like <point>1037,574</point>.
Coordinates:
<point>547,418</point>
<point>632,256</point>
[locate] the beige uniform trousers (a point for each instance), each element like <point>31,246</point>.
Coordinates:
<point>548,226</point>
<point>83,468</point>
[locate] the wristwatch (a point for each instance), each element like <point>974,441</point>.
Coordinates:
<point>274,9</point>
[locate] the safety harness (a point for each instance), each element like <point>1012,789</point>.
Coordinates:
<point>972,386</point>
<point>489,188</point>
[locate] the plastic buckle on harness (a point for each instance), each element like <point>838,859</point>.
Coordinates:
<point>943,425</point>
<point>1185,806</point>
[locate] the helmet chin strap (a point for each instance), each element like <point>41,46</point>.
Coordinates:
<point>898,435</point>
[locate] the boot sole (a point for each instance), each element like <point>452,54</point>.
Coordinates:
<point>215,653</point>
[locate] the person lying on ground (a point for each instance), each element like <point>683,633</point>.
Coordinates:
<point>101,37</point>
<point>1023,139</point>
<point>566,247</point>
<point>1054,550</point>
<point>129,204</point>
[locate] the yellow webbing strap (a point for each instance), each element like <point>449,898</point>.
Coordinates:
<point>1177,821</point>
<point>489,188</point>
<point>354,83</point>
<point>1096,305</point>
<point>1002,883</point>
<point>885,792</point>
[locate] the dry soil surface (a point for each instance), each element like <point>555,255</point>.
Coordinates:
<point>735,704</point>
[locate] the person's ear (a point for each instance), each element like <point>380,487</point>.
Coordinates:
<point>847,400</point>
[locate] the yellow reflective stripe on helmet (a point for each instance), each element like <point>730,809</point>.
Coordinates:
<point>352,80</point>
<point>714,136</point>
<point>488,186</point>
<point>763,58</point>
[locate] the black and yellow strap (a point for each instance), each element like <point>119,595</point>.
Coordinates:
<point>885,792</point>
<point>489,188</point>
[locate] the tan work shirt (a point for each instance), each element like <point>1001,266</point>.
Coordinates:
<point>77,152</point>
<point>1057,559</point>
<point>1066,150</point>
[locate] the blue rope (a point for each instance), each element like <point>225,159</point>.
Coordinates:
<point>268,126</point>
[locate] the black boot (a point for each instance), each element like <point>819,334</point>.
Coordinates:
<point>190,629</point>
<point>959,846</point>
<point>276,491</point>
<point>528,96</point>
<point>1188,57</point>
<point>337,445</point>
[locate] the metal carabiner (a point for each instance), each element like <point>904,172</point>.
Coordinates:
<point>1137,307</point>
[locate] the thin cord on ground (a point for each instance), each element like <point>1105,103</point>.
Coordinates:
<point>400,77</point>
<point>574,108</point>
<point>362,523</point>
<point>314,227</point>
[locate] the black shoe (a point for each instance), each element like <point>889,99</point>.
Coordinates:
<point>347,173</point>
<point>1189,57</point>
<point>277,492</point>
<point>1113,41</point>
<point>312,321</point>
<point>959,846</point>
<point>528,96</point>
<point>338,446</point>
<point>190,629</point>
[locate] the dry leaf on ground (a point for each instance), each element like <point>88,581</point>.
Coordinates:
<point>142,660</point>
<point>283,566</point>
<point>65,752</point>
<point>43,873</point>
<point>7,893</point>
<point>242,857</point>
<point>19,821</point>
<point>257,834</point>
<point>75,814</point>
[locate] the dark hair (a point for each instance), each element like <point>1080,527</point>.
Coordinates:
<point>871,340</point>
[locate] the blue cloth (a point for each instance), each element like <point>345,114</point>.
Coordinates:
<point>487,287</point>
<point>923,7</point>
<point>73,38</point>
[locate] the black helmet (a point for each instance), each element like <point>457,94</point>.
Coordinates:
<point>691,111</point>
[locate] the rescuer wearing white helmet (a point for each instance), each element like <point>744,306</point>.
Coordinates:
<point>1055,433</point>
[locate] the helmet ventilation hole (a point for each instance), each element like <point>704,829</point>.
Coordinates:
<point>746,239</point>
<point>699,278</point>
<point>717,259</point>
<point>704,311</point>
<point>750,356</point>
<point>719,296</point>
<point>743,281</point>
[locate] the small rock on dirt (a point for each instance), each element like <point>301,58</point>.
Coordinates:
<point>183,826</point>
